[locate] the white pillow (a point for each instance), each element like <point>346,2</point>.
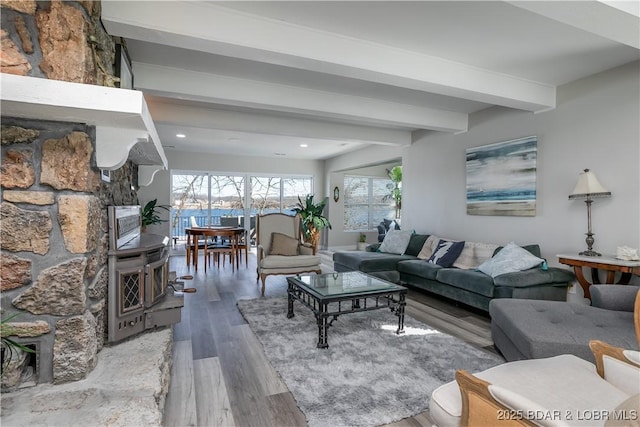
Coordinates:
<point>396,241</point>
<point>511,258</point>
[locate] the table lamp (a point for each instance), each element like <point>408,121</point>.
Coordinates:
<point>588,188</point>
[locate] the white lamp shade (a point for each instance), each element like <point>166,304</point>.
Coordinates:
<point>588,186</point>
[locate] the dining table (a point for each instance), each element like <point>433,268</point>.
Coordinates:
<point>233,234</point>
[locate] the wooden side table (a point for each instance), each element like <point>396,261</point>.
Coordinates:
<point>606,262</point>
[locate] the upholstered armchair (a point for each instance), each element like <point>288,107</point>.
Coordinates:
<point>559,390</point>
<point>280,247</point>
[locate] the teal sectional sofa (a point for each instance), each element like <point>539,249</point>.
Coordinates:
<point>461,282</point>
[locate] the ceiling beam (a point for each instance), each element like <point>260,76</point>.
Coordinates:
<point>187,116</point>
<point>219,89</point>
<point>605,19</point>
<point>208,27</point>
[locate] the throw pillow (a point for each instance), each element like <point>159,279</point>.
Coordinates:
<point>396,241</point>
<point>281,244</point>
<point>446,253</point>
<point>428,247</point>
<point>415,244</point>
<point>474,254</point>
<point>510,259</point>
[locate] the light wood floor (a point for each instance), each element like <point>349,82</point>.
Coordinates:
<point>220,375</point>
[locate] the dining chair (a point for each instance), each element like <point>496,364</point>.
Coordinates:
<point>244,245</point>
<point>193,239</point>
<point>228,246</point>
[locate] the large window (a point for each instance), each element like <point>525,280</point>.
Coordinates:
<point>366,202</point>
<point>226,199</point>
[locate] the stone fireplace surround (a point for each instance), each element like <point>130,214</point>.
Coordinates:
<point>53,224</point>
<point>54,244</point>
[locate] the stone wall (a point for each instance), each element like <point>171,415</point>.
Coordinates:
<point>56,40</point>
<point>53,216</point>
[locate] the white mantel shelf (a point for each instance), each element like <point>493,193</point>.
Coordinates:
<point>124,128</point>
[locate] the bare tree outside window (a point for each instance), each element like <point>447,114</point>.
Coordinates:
<point>265,194</point>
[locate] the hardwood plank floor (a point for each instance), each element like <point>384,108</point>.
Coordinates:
<point>220,375</point>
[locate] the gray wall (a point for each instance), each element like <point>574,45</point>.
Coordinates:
<point>595,125</point>
<point>161,186</point>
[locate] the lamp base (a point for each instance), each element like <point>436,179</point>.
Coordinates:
<point>590,253</point>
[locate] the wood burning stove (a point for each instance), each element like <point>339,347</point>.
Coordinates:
<point>138,277</point>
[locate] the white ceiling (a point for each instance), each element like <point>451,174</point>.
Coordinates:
<point>260,78</point>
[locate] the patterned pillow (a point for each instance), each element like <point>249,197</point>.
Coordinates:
<point>428,247</point>
<point>446,253</point>
<point>396,241</point>
<point>510,259</point>
<point>281,244</point>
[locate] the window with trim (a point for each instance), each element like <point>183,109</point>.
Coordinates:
<point>365,202</point>
<point>208,198</point>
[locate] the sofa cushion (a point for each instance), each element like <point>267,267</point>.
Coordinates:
<point>284,262</point>
<point>511,258</point>
<point>535,277</point>
<point>396,241</point>
<point>535,383</point>
<point>614,297</point>
<point>416,242</point>
<point>446,253</point>
<point>369,261</point>
<point>470,280</point>
<point>538,328</point>
<point>419,268</point>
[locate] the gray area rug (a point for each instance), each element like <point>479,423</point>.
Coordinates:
<point>369,375</point>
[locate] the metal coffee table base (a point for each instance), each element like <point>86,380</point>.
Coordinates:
<point>394,300</point>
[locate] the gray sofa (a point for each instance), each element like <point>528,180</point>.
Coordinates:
<point>525,329</point>
<point>465,285</point>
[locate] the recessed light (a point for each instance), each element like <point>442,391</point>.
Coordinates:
<point>304,145</point>
<point>180,135</point>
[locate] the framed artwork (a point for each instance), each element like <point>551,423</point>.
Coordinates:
<point>501,178</point>
<point>123,68</point>
<point>336,194</point>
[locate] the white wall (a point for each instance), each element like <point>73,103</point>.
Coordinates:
<point>595,125</point>
<point>185,161</point>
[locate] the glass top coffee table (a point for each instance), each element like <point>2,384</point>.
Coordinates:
<point>333,294</point>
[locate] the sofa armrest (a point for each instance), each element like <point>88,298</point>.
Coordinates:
<point>373,247</point>
<point>480,408</point>
<point>614,297</point>
<point>535,277</point>
<point>617,366</point>
<point>261,252</point>
<point>307,249</point>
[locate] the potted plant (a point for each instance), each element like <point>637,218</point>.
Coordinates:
<point>312,218</point>
<point>395,188</point>
<point>150,213</point>
<point>9,347</point>
<point>362,242</point>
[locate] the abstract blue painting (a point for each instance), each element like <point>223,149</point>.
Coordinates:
<point>501,178</point>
